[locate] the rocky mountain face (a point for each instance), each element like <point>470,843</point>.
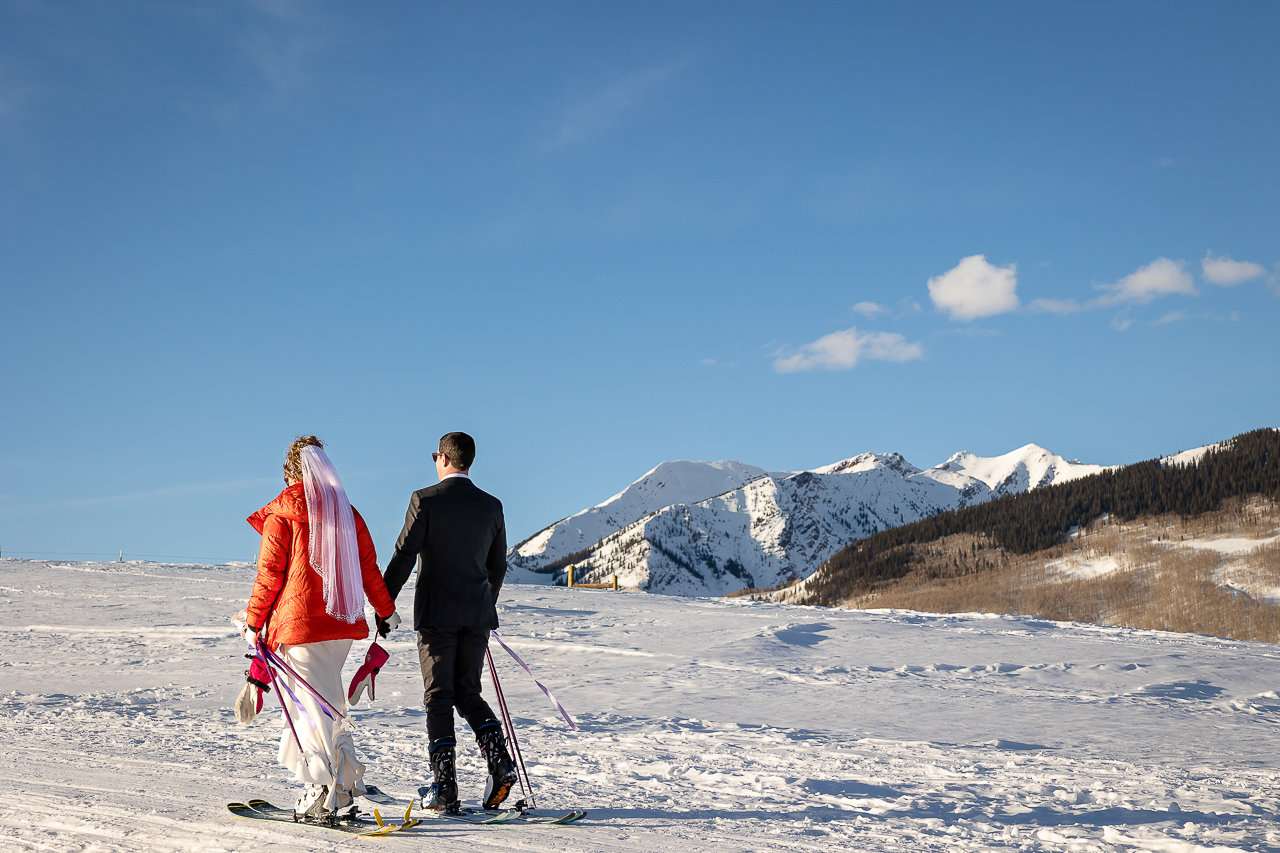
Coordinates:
<point>707,528</point>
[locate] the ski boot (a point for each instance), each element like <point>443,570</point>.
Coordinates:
<point>502,771</point>
<point>444,791</point>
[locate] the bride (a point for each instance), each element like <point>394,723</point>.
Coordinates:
<point>316,565</point>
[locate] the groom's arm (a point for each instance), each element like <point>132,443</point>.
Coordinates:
<point>496,561</point>
<point>408,546</point>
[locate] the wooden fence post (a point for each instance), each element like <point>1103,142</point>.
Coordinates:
<point>570,574</point>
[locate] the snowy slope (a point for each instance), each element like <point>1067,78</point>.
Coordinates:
<point>1193,456</point>
<point>706,725</point>
<point>1028,467</point>
<point>776,527</point>
<point>669,483</point>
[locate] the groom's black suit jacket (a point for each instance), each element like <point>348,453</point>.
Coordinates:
<point>459,538</point>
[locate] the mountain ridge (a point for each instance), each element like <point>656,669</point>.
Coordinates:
<point>1188,484</point>
<point>763,527</point>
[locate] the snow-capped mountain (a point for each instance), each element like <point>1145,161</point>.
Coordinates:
<point>706,528</point>
<point>1028,467</point>
<point>670,483</point>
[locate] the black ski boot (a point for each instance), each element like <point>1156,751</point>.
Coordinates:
<point>444,796</point>
<point>502,771</point>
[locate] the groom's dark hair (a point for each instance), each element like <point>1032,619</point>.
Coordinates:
<point>460,448</point>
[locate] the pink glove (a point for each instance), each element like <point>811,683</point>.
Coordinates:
<point>259,676</point>
<point>257,681</point>
<point>364,677</point>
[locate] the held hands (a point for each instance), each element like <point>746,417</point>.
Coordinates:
<point>386,626</point>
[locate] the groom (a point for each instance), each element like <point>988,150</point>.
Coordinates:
<point>458,537</point>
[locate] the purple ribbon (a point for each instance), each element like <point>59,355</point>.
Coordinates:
<point>525,666</point>
<point>280,663</point>
<point>302,708</point>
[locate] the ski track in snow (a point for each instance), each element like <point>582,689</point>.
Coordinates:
<point>706,724</point>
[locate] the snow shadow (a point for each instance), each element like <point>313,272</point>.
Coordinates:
<point>1015,746</point>
<point>543,612</point>
<point>1184,690</point>
<point>946,812</point>
<point>803,635</point>
<point>1115,816</point>
<point>850,790</point>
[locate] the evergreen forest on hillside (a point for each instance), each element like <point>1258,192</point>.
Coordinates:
<point>1248,464</point>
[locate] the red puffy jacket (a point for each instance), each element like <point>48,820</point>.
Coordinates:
<point>290,591</point>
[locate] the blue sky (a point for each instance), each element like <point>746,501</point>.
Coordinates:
<point>598,236</point>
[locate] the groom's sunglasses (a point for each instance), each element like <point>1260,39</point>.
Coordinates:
<point>436,456</point>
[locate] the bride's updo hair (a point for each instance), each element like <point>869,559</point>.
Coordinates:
<point>293,457</point>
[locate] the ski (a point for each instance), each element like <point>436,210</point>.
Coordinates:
<point>374,794</point>
<point>561,820</point>
<point>264,811</point>
<point>479,817</point>
<point>517,815</point>
<point>473,814</point>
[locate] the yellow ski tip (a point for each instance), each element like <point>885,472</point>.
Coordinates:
<point>407,810</point>
<point>378,817</point>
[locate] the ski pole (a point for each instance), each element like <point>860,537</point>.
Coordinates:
<point>510,729</point>
<point>523,775</point>
<point>272,657</point>
<point>279,695</point>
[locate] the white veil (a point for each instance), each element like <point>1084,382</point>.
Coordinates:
<point>333,550</point>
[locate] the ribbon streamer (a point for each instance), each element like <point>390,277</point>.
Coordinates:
<point>525,667</point>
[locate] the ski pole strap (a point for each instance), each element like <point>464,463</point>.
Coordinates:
<point>281,664</point>
<point>541,686</point>
<point>302,708</point>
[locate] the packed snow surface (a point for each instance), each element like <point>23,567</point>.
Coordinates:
<point>706,725</point>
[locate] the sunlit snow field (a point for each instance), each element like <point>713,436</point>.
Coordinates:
<point>706,724</point>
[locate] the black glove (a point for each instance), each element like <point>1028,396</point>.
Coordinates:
<point>385,625</point>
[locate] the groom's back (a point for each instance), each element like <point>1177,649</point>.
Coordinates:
<point>458,535</point>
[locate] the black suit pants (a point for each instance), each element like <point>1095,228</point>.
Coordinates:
<point>452,660</point>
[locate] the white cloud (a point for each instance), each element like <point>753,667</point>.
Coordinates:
<point>870,309</point>
<point>282,40</point>
<point>1222,270</point>
<point>975,289</point>
<point>1061,307</point>
<point>1171,317</point>
<point>595,114</point>
<point>844,349</point>
<point>1120,322</point>
<point>1161,277</point>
